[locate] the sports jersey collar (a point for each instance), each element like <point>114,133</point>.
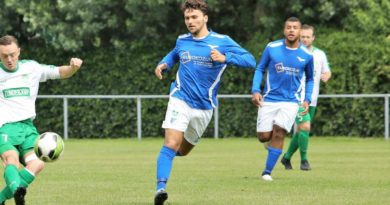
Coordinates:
<point>9,71</point>
<point>285,45</point>
<point>210,31</point>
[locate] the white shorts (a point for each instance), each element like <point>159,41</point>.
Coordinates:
<point>181,117</point>
<point>280,113</point>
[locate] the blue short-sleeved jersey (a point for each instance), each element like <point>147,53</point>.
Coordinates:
<point>198,77</point>
<point>285,69</point>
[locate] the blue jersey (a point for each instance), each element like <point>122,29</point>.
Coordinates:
<point>285,70</point>
<point>198,77</point>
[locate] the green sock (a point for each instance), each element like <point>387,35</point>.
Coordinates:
<point>292,147</point>
<point>5,194</point>
<point>12,178</point>
<point>26,177</point>
<point>303,141</point>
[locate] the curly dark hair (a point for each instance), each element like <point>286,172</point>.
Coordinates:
<point>195,4</point>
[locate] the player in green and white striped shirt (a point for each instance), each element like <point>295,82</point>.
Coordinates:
<point>322,73</point>
<point>19,84</point>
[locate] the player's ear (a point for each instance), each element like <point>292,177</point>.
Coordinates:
<point>206,18</point>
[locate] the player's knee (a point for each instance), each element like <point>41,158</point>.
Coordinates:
<point>304,126</point>
<point>172,144</point>
<point>10,157</point>
<point>35,166</point>
<point>278,133</point>
<point>182,153</point>
<point>263,137</point>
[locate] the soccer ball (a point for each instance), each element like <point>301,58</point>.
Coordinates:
<point>49,146</point>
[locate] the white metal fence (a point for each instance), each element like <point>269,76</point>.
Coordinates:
<point>139,99</point>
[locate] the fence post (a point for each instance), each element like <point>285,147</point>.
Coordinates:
<point>216,123</point>
<point>65,118</point>
<point>387,124</point>
<point>139,118</point>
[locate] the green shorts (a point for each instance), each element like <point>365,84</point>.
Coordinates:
<point>18,136</point>
<point>312,112</point>
<point>307,117</point>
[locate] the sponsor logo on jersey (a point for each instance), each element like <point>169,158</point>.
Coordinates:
<point>280,68</point>
<point>16,92</point>
<point>185,57</point>
<point>206,61</point>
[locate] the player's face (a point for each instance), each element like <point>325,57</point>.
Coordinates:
<point>291,31</point>
<point>195,21</point>
<point>9,55</point>
<point>307,37</point>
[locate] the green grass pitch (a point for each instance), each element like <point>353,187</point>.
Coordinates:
<point>224,171</point>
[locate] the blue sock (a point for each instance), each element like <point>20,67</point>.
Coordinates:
<point>273,156</point>
<point>164,166</point>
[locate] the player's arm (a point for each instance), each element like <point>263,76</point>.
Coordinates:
<point>238,56</point>
<point>167,62</point>
<point>257,98</point>
<point>309,83</point>
<point>67,71</point>
<point>326,76</point>
<point>325,69</point>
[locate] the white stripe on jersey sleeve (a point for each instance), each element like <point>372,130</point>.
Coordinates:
<point>215,84</point>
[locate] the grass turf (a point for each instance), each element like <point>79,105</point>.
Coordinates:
<point>224,171</point>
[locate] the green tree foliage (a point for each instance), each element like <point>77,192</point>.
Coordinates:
<point>371,17</point>
<point>122,41</point>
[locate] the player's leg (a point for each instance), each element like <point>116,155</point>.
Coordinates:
<point>32,165</point>
<point>304,134</point>
<point>303,141</point>
<point>265,115</point>
<point>283,121</point>
<point>10,156</point>
<point>275,149</point>
<point>5,152</point>
<point>292,148</point>
<point>175,123</point>
<point>173,139</point>
<point>11,172</point>
<point>198,122</point>
<point>264,128</point>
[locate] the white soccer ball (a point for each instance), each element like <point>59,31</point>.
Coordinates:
<point>49,146</point>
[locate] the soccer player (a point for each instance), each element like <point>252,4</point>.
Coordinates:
<point>19,83</point>
<point>202,55</point>
<point>286,62</point>
<point>322,72</point>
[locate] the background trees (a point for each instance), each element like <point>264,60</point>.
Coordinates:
<point>122,41</point>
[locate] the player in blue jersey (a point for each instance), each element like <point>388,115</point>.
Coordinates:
<point>300,138</point>
<point>286,62</point>
<point>202,56</point>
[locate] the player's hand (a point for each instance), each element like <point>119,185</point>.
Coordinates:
<point>217,56</point>
<point>305,105</point>
<point>325,76</point>
<point>159,69</point>
<point>257,99</point>
<point>75,63</point>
